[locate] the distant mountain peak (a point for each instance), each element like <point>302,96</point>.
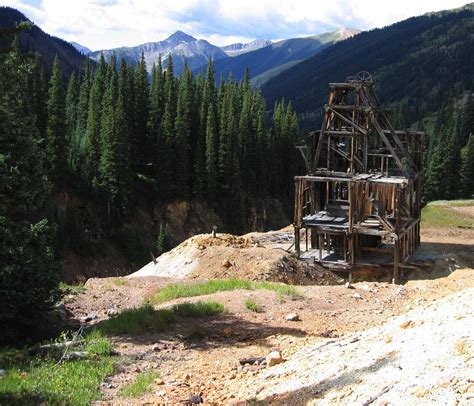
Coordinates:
<point>347,32</point>
<point>239,48</point>
<point>180,37</point>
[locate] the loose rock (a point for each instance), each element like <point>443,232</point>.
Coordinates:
<point>274,358</point>
<point>292,317</point>
<point>226,263</point>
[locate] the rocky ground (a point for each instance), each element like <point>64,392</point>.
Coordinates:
<point>375,344</point>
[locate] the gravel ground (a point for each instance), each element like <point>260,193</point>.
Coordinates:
<point>423,357</point>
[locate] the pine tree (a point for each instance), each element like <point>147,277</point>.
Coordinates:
<point>198,146</point>
<point>94,117</point>
<point>142,157</point>
<point>108,177</point>
<point>438,181</point>
<point>183,129</point>
<point>56,130</point>
<point>467,169</point>
<point>165,174</point>
<point>162,242</point>
<point>29,272</point>
<point>467,126</point>
<point>72,100</point>
<point>39,96</point>
<point>211,155</point>
<point>248,140</point>
<point>122,158</point>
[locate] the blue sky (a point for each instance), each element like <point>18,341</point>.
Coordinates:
<point>103,24</point>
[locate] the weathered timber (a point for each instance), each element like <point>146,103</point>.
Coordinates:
<point>361,199</point>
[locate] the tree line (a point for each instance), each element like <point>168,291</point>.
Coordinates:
<point>172,137</point>
<point>450,154</point>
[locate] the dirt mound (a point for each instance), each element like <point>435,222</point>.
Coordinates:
<point>255,256</point>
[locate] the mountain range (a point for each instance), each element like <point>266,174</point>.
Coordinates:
<point>263,58</point>
<point>418,64</point>
<point>269,61</point>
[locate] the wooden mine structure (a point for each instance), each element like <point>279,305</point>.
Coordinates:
<point>360,202</point>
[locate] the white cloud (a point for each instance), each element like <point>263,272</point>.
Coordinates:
<point>101,24</point>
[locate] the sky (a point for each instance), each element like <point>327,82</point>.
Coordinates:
<point>105,24</point>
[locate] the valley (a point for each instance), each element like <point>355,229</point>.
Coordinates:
<point>192,220</point>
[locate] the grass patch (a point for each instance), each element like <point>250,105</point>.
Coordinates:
<point>42,380</point>
<point>177,290</point>
<point>146,318</point>
<point>97,344</point>
<point>72,289</point>
<point>140,386</point>
<point>253,306</point>
<point>441,214</point>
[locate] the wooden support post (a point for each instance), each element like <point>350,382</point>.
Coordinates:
<point>306,230</point>
<point>395,278</point>
<point>297,241</point>
<point>320,245</point>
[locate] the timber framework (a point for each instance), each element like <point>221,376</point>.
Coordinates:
<point>360,202</point>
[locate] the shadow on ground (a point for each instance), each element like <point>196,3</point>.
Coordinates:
<point>319,390</point>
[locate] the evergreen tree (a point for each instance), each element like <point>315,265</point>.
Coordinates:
<point>467,169</point>
<point>108,177</point>
<point>78,139</point>
<point>39,96</point>
<point>56,130</point>
<point>72,100</point>
<point>162,242</point>
<point>94,116</point>
<point>211,155</point>
<point>183,129</point>
<point>141,142</point>
<point>29,273</point>
<point>441,174</point>
<point>121,153</point>
<point>467,127</point>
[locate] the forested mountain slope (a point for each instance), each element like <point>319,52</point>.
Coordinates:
<point>47,46</point>
<point>419,61</point>
<point>424,70</point>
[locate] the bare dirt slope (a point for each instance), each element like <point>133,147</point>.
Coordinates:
<point>255,256</point>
